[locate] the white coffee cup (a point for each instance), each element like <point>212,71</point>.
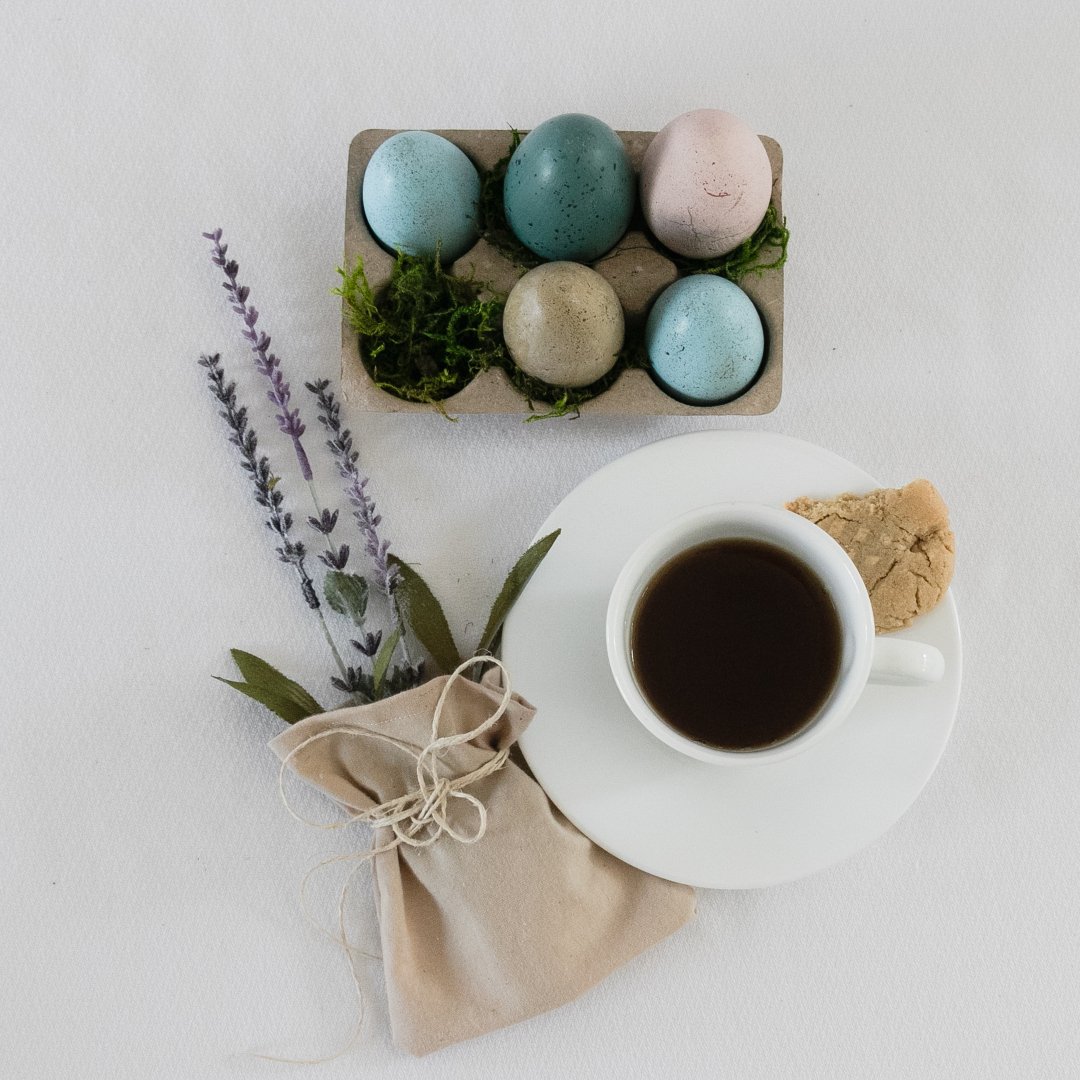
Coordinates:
<point>863,657</point>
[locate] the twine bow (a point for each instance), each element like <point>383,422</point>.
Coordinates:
<point>418,818</point>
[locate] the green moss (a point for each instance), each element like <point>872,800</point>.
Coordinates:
<point>494,227</point>
<point>428,333</point>
<point>565,400</point>
<point>765,250</point>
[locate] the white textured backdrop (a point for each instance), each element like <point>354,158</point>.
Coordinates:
<point>148,916</point>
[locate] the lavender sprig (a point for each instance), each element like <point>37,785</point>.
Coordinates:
<point>280,394</point>
<point>367,518</point>
<point>265,361</point>
<point>345,457</point>
<point>267,493</point>
<point>266,486</point>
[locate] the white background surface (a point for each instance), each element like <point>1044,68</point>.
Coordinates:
<point>149,924</point>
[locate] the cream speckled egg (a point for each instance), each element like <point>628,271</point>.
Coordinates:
<point>706,183</point>
<point>563,324</point>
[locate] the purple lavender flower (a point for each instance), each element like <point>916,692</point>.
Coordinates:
<point>267,492</point>
<point>387,576</point>
<point>333,557</point>
<point>345,457</point>
<point>265,361</point>
<point>369,644</point>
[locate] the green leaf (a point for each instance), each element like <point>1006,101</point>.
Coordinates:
<point>266,685</point>
<point>289,711</point>
<point>426,617</point>
<point>516,580</point>
<point>382,660</point>
<point>347,594</point>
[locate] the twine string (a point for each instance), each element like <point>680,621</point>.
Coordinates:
<point>417,819</point>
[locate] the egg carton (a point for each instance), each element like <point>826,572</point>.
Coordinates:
<point>636,267</point>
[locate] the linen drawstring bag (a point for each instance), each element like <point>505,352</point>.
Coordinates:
<point>492,906</point>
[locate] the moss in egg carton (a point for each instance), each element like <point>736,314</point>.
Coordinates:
<point>430,333</point>
<point>417,337</point>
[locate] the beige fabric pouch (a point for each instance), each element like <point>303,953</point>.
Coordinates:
<point>476,936</point>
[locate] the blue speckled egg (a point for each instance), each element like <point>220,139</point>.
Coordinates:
<point>420,191</point>
<point>705,340</point>
<point>569,189</point>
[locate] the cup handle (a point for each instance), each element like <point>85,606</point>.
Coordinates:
<point>905,662</point>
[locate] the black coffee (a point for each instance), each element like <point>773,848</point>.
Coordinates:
<point>736,644</point>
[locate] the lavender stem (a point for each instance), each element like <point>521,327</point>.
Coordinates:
<point>267,489</point>
<point>266,362</point>
<point>269,365</point>
<point>367,519</point>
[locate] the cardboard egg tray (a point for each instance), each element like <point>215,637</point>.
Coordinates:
<point>636,268</point>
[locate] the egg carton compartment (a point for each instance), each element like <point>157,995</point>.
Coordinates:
<point>637,268</point>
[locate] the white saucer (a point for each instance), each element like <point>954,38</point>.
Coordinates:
<point>648,804</point>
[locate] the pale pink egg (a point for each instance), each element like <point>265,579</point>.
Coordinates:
<point>706,183</point>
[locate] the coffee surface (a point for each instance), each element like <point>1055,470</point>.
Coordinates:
<point>736,644</point>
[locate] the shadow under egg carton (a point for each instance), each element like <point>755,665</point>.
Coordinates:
<point>636,267</point>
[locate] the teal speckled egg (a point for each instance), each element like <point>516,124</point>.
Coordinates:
<point>569,189</point>
<point>419,191</point>
<point>705,340</point>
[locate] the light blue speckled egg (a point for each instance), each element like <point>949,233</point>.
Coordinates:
<point>569,189</point>
<point>419,191</point>
<point>705,340</point>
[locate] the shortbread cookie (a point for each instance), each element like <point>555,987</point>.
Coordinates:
<point>900,541</point>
